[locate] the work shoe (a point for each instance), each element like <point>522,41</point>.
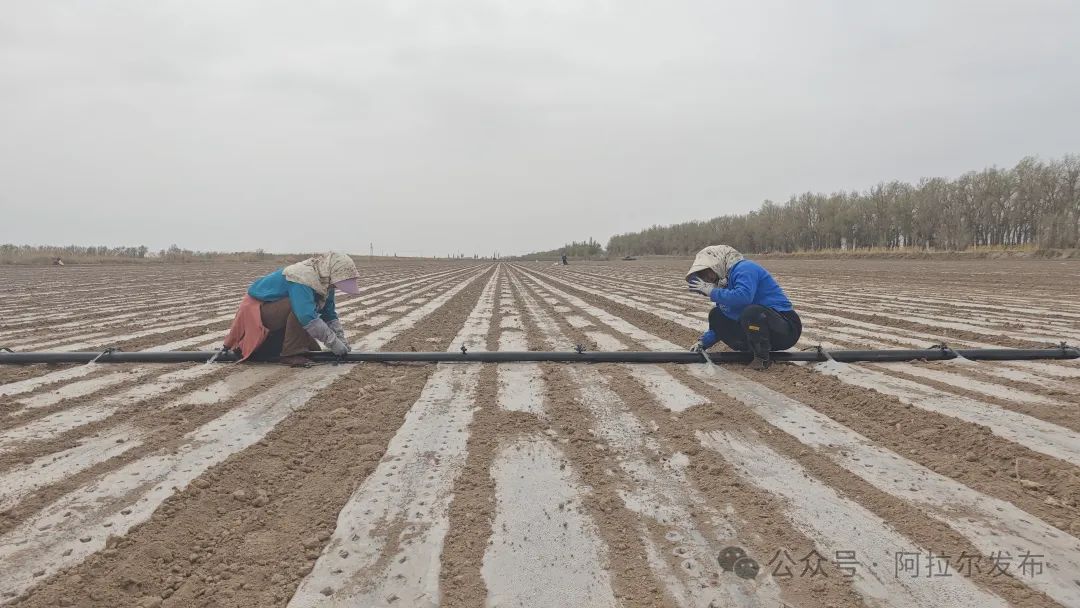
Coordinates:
<point>758,364</point>
<point>757,337</point>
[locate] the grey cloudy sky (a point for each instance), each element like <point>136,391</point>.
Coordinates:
<point>510,125</point>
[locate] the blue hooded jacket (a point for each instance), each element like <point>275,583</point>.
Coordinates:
<point>748,283</point>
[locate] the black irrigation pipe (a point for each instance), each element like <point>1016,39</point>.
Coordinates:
<point>938,353</point>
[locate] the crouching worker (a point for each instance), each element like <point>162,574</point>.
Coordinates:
<point>286,311</point>
<point>752,312</point>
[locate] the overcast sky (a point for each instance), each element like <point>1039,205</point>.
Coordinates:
<point>475,126</point>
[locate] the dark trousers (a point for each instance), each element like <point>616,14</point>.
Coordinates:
<point>758,330</point>
<point>287,336</point>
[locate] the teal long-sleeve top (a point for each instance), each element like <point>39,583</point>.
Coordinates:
<point>303,299</point>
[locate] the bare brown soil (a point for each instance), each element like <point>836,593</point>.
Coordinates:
<point>254,528</point>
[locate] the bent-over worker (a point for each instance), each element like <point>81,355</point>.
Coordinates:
<point>752,312</point>
<point>286,311</point>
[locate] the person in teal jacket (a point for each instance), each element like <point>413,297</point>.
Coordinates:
<point>303,301</point>
<point>752,312</point>
<point>296,307</point>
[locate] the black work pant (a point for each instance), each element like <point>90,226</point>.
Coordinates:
<point>759,329</point>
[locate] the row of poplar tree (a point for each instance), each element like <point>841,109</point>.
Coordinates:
<point>1035,204</point>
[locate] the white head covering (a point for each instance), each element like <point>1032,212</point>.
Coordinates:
<point>322,271</point>
<point>718,257</point>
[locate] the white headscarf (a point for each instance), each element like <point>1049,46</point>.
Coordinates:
<point>322,271</point>
<point>720,258</point>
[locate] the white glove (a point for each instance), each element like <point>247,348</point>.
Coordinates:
<point>319,330</point>
<point>339,347</point>
<point>701,286</point>
<point>698,347</point>
<point>339,331</point>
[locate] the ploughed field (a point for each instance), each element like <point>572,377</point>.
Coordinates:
<point>901,484</point>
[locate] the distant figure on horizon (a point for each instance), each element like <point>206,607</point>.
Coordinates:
<point>285,312</point>
<point>752,313</point>
<point>564,262</point>
<point>57,262</point>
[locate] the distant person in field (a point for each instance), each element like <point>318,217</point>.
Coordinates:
<point>564,262</point>
<point>286,311</point>
<point>752,313</point>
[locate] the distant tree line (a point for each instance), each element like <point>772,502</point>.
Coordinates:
<point>1034,204</point>
<point>100,254</point>
<point>583,250</point>
<point>13,253</point>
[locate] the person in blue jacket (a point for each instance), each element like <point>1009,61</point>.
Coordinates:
<point>752,312</point>
<point>296,307</point>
